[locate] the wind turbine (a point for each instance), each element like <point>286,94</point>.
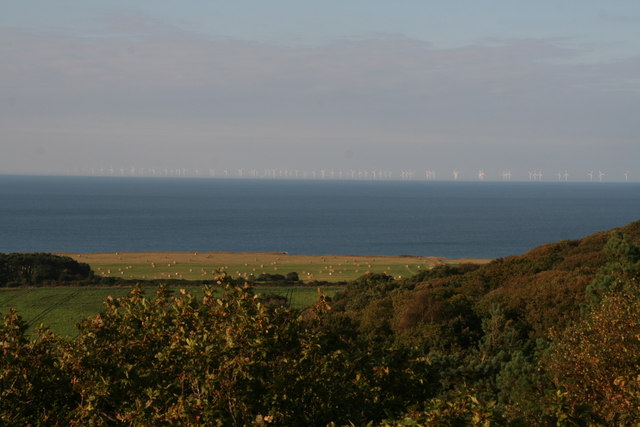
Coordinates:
<point>600,175</point>
<point>565,175</point>
<point>481,175</point>
<point>626,176</point>
<point>590,175</point>
<point>456,175</point>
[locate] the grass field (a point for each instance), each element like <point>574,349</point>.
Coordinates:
<point>203,265</point>
<point>61,308</point>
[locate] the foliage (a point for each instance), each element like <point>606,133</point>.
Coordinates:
<point>291,278</point>
<point>622,268</point>
<point>37,269</point>
<point>358,293</point>
<point>34,389</point>
<point>229,360</point>
<point>461,408</point>
<point>597,361</point>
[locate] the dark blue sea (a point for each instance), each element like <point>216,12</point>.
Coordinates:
<point>449,219</point>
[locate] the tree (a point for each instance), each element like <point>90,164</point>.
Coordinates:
<point>34,388</point>
<point>597,361</point>
<point>37,269</point>
<point>622,268</point>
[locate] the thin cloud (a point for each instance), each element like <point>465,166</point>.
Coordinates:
<point>387,93</point>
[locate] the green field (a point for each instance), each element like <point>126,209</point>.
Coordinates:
<point>61,308</point>
<point>205,265</point>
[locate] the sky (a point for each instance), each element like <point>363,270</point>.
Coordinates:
<point>394,85</point>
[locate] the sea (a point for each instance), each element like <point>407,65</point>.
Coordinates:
<point>420,218</point>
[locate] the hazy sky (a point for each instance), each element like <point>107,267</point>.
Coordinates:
<point>345,84</point>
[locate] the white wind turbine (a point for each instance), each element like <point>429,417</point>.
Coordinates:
<point>626,176</point>
<point>590,175</point>
<point>600,175</point>
<point>456,175</point>
<point>481,175</point>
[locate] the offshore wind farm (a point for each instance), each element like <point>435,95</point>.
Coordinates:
<point>340,174</point>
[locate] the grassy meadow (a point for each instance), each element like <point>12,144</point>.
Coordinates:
<point>61,308</point>
<point>204,265</point>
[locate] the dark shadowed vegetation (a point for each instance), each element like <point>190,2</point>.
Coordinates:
<point>41,269</point>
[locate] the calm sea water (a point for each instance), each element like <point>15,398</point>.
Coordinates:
<point>450,219</point>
